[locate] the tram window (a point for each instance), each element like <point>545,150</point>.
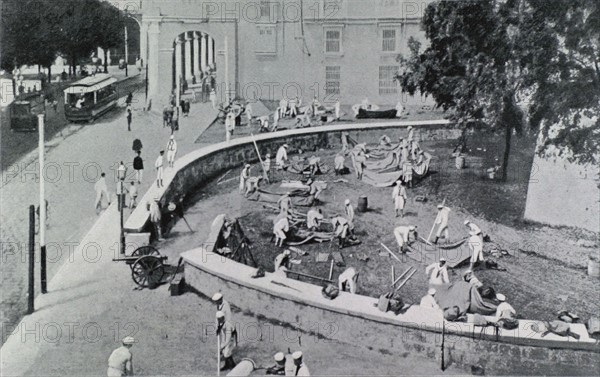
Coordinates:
<point>21,109</point>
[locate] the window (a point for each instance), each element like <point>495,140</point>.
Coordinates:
<point>332,80</point>
<point>265,9</point>
<point>387,84</point>
<point>388,40</point>
<point>333,41</point>
<point>266,41</point>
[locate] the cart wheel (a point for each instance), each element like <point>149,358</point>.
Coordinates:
<point>145,250</point>
<point>148,271</point>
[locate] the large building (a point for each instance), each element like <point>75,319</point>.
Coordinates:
<point>343,49</point>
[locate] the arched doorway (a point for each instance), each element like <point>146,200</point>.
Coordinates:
<point>194,63</point>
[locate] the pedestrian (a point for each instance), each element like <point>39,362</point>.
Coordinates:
<point>276,116</point>
<point>213,98</point>
<point>339,163</point>
<point>101,191</point>
<point>155,217</point>
<point>475,243</point>
<point>407,171</point>
<point>121,171</point>
<point>403,234</point>
<point>442,223</point>
<point>437,272</point>
<point>348,280</point>
<point>175,120</point>
<point>120,362</point>
<point>244,175</point>
<point>399,197</point>
<point>301,368</point>
<point>129,99</point>
<point>129,117</point>
<point>314,217</point>
<point>229,125</point>
<point>138,166</point>
<point>340,226</point>
<point>171,151</point>
<point>158,165</point>
<point>248,111</point>
<point>285,202</point>
<point>222,306</point>
<point>133,194</point>
<point>226,334</point>
<point>360,161</point>
<point>338,110</point>
<point>121,193</point>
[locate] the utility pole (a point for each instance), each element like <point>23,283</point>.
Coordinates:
<point>31,290</point>
<point>42,207</point>
<point>226,71</point>
<point>126,51</point>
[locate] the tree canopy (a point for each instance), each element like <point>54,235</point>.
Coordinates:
<point>37,31</point>
<point>508,64</point>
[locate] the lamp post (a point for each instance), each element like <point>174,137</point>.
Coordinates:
<point>42,206</point>
<point>126,51</point>
<point>120,206</point>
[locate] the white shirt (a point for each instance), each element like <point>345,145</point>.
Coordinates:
<point>313,218</point>
<point>429,302</point>
<point>474,228</point>
<point>120,360</point>
<point>399,191</point>
<point>403,231</point>
<point>101,185</point>
<point>442,217</point>
<point>281,225</point>
<point>505,310</point>
<point>348,277</point>
<point>279,260</point>
<point>159,162</point>
<point>172,145</point>
<point>133,190</point>
<point>350,212</point>
<point>281,155</point>
<point>437,274</point>
<point>226,309</point>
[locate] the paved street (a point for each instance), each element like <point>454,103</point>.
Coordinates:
<point>73,164</point>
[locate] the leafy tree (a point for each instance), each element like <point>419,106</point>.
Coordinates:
<point>110,35</point>
<point>490,59</point>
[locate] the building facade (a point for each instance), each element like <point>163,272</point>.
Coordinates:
<point>331,49</point>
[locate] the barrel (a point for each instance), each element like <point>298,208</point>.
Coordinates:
<point>460,162</point>
<point>594,267</point>
<point>363,203</point>
<point>243,368</point>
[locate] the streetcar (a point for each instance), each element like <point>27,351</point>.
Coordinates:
<point>90,98</point>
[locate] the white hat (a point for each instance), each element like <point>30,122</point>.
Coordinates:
<point>442,259</point>
<point>172,137</point>
<point>287,252</point>
<point>268,155</point>
<point>172,206</point>
<point>467,222</point>
<point>398,182</point>
<point>500,297</point>
<point>220,314</point>
<point>347,201</point>
<point>285,145</point>
<point>297,355</point>
<point>431,291</point>
<point>217,296</point>
<point>412,227</point>
<point>409,128</point>
<point>279,356</point>
<point>248,165</point>
<point>440,206</point>
<point>129,340</point>
<point>467,272</point>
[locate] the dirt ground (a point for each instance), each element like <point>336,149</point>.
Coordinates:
<point>545,269</point>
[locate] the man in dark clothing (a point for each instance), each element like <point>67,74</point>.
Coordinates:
<point>138,166</point>
<point>129,116</point>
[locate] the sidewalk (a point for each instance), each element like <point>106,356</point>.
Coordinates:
<point>73,164</point>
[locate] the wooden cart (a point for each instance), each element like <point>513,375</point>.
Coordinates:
<point>147,266</point>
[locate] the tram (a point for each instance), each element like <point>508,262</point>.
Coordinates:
<point>90,98</point>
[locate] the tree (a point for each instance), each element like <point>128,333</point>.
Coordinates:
<point>111,34</point>
<point>488,60</point>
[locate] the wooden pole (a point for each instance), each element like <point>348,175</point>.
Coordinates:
<point>443,367</point>
<point>393,275</point>
<point>31,291</point>
<point>433,226</point>
<point>259,158</point>
<point>391,252</point>
<point>406,280</point>
<point>308,276</point>
<point>331,269</point>
<point>401,276</point>
<point>218,352</point>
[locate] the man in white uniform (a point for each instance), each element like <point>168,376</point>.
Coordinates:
<point>222,306</point>
<point>402,234</point>
<point>281,157</point>
<point>349,215</point>
<point>340,225</point>
<point>301,368</point>
<point>282,263</point>
<point>442,222</point>
<point>244,175</point>
<point>314,218</point>
<point>279,230</point>
<point>399,197</point>
<point>267,168</point>
<point>101,190</point>
<point>171,151</point>
<point>347,281</point>
<point>120,362</point>
<point>226,334</point>
<point>428,301</point>
<point>158,165</point>
<point>285,202</point>
<point>438,273</point>
<point>504,310</point>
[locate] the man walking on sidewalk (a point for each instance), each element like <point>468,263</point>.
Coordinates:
<point>129,117</point>
<point>138,166</point>
<point>171,151</point>
<point>101,190</point>
<point>159,169</point>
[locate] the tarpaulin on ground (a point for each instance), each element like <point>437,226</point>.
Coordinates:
<point>382,151</point>
<point>262,196</point>
<point>305,167</point>
<point>391,160</point>
<point>381,179</point>
<point>464,296</point>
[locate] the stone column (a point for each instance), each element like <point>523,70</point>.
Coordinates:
<point>196,58</point>
<point>211,57</point>
<point>144,44</point>
<point>203,52</point>
<point>178,70</point>
<point>152,63</point>
<point>189,72</point>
